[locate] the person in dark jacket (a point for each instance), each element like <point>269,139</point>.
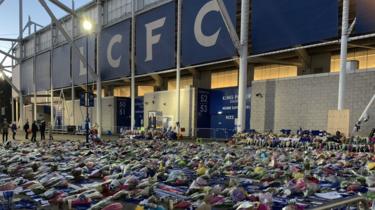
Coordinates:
<point>5,129</point>
<point>42,129</point>
<point>14,130</point>
<point>26,128</point>
<point>34,130</point>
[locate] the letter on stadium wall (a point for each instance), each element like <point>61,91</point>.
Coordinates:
<point>280,24</point>
<point>152,39</point>
<point>43,63</point>
<point>204,34</point>
<point>27,77</point>
<point>61,67</point>
<point>365,16</point>
<point>156,38</point>
<point>202,39</point>
<point>79,68</point>
<point>115,51</point>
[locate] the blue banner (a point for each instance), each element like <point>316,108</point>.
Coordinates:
<point>225,102</point>
<point>205,37</point>
<point>61,67</point>
<point>43,66</point>
<point>115,51</point>
<point>203,106</point>
<point>223,126</point>
<point>365,16</point>
<point>203,114</point>
<point>278,24</point>
<point>27,77</point>
<point>139,112</point>
<point>123,113</point>
<point>79,68</point>
<point>156,38</point>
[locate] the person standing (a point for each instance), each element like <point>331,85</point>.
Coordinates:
<point>42,129</point>
<point>26,128</point>
<point>50,136</point>
<point>14,130</point>
<point>5,128</point>
<point>34,130</point>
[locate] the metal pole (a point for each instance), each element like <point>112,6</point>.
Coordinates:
<point>12,99</point>
<point>17,108</point>
<point>178,66</point>
<point>72,88</point>
<point>87,89</point>
<point>29,25</point>
<point>343,54</point>
<point>34,68</point>
<point>21,117</point>
<point>51,70</point>
<point>364,114</point>
<point>132,88</point>
<point>99,80</point>
<point>242,81</point>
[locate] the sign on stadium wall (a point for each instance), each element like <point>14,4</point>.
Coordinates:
<point>365,14</point>
<point>281,24</point>
<point>61,67</point>
<point>79,71</point>
<point>27,77</point>
<point>115,51</point>
<point>42,71</point>
<point>205,37</point>
<point>156,39</point>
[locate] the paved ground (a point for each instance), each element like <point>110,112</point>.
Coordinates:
<point>57,137</point>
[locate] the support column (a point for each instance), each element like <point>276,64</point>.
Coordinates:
<point>132,85</point>
<point>242,81</point>
<point>51,68</point>
<point>72,117</point>
<point>99,80</point>
<point>343,54</point>
<point>17,113</point>
<point>12,104</point>
<point>178,66</point>
<point>22,115</point>
<point>34,72</point>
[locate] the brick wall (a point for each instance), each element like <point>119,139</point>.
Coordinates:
<point>304,101</point>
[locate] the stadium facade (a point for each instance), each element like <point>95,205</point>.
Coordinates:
<point>293,65</point>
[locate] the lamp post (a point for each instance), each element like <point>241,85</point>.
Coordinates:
<point>87,26</point>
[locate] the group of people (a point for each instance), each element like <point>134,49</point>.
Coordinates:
<point>5,130</point>
<point>33,129</point>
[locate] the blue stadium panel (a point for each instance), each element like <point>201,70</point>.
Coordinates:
<point>279,24</point>
<point>365,16</point>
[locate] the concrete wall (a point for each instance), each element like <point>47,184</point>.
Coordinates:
<point>304,101</point>
<point>165,102</point>
<point>108,114</point>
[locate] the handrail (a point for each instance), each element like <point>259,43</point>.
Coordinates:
<point>344,202</point>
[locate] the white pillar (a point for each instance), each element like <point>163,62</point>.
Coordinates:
<point>242,81</point>
<point>12,104</point>
<point>178,67</point>
<point>51,67</point>
<point>343,54</point>
<point>12,99</point>
<point>99,80</point>
<point>17,116</point>
<point>132,88</point>
<point>72,117</point>
<point>22,116</point>
<point>34,70</point>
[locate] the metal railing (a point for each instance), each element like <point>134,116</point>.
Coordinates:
<point>216,134</point>
<point>358,202</point>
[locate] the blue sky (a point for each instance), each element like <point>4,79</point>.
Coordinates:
<point>9,16</point>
